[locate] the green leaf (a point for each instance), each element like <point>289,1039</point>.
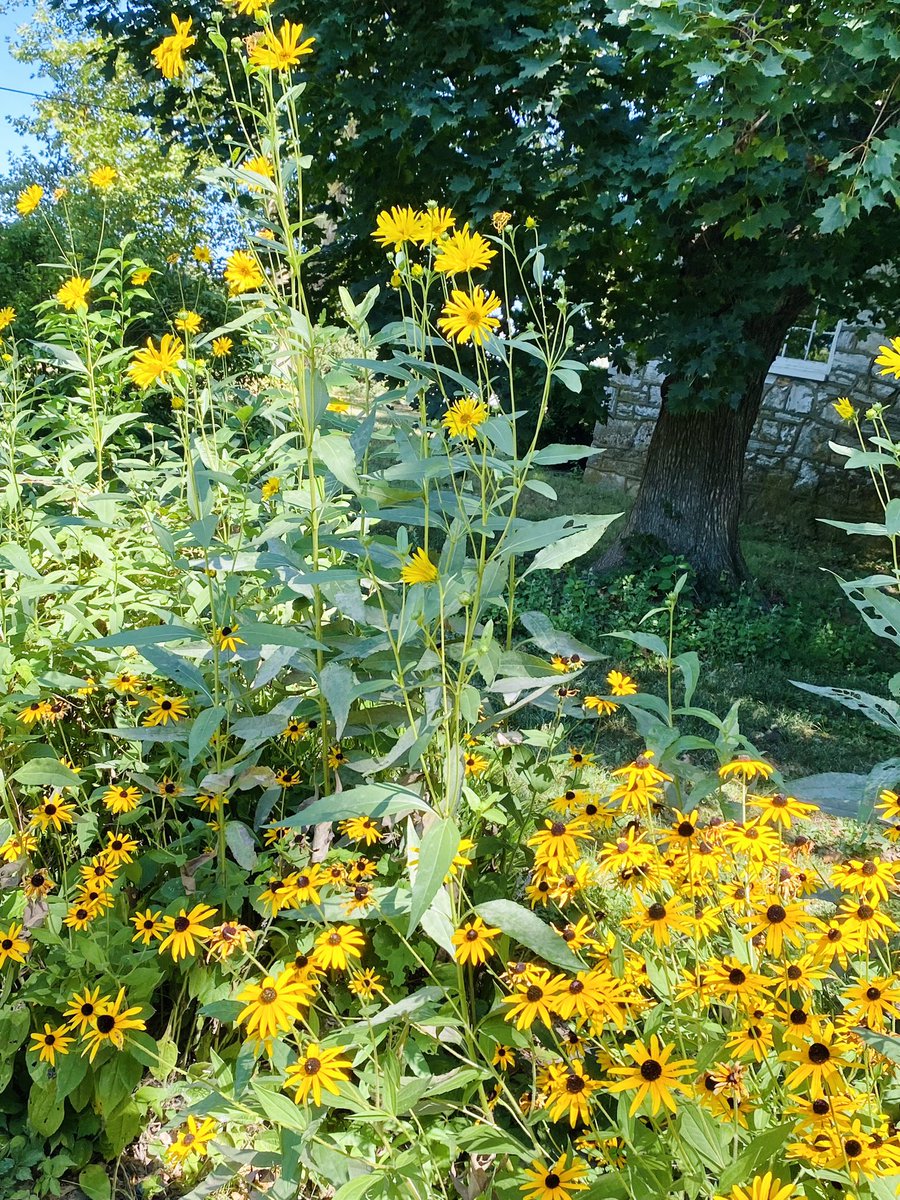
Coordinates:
<point>367,800</point>
<point>437,850</point>
<point>568,548</point>
<point>95,1182</point>
<point>46,1109</point>
<point>336,452</point>
<point>204,726</point>
<point>242,844</point>
<point>281,1110</point>
<point>358,1186</point>
<point>339,688</point>
<point>526,928</point>
<point>149,635</point>
<point>47,772</point>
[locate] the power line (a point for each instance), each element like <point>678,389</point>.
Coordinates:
<point>19,92</point>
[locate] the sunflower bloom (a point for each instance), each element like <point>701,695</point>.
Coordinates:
<point>888,358</point>
<point>103,178</point>
<point>169,54</point>
<point>7,316</point>
<point>242,274</point>
<point>222,347</point>
<point>463,252</point>
<point>435,223</point>
<point>399,226</point>
<point>73,294</point>
<point>419,569</point>
<point>468,317</point>
<point>29,199</point>
<point>279,52</point>
<point>464,416</point>
<point>154,364</point>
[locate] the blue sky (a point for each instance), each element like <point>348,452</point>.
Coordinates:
<point>13,75</point>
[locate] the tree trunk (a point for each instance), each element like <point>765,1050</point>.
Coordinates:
<point>689,499</point>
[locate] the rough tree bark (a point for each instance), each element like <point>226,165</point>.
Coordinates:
<point>689,498</point>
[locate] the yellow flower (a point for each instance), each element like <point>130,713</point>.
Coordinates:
<point>110,1025</point>
<point>271,487</point>
<point>165,709</point>
<point>652,1074</point>
<point>74,293</point>
<point>278,52</point>
<point>399,226</point>
<point>169,54</point>
<point>188,321</point>
<point>469,316</point>
<point>242,274</point>
<point>140,276</point>
<point>844,408</point>
<point>222,347</point>
<point>52,1042</point>
<point>249,8</point>
<point>258,165</point>
<point>317,1069</point>
<point>192,1138</point>
<point>13,946</point>
<point>475,764</point>
<point>149,926</point>
<point>29,199</point>
<point>464,416</point>
<point>103,177</point>
<point>746,768</point>
<point>419,569</point>
<point>121,799</point>
<point>154,364</point>
<point>463,252</point>
<point>530,223</point>
<point>226,938</point>
<point>7,316</point>
<point>762,1187</point>
<point>500,220</point>
<point>360,829</point>
<point>186,929</point>
<point>226,638</point>
<point>335,947</point>
<point>18,845</point>
<point>473,942</point>
<point>53,812</point>
<point>888,359</point>
<point>621,685</point>
<point>435,221</point>
<point>36,710</point>
<point>202,254</point>
<point>272,1005</point>
<point>600,705</point>
<point>556,1182</point>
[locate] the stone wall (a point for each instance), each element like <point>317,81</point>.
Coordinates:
<point>788,450</point>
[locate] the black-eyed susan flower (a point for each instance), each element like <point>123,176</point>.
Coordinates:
<point>335,948</point>
<point>600,705</point>
<point>169,54</point>
<point>336,756</point>
<point>35,710</point>
<point>18,845</point>
<point>281,892</point>
<point>534,999</point>
<point>119,848</point>
<point>557,842</point>
<point>818,1061</point>
<point>149,926</point>
<point>111,1023</point>
<point>83,1008</point>
<point>80,915</point>
<point>318,1068</point>
<point>287,778</point>
<point>866,922</point>
<point>13,947</point>
<point>366,984</point>
<point>556,1182</point>
<point>869,877</point>
<point>872,1001</point>
<point>53,813</point>
<point>227,938</point>
<point>166,708</point>
<point>470,316</point>
<point>569,1093</point>
<point>360,829</point>
<point>652,1074</point>
<point>192,1138</point>
<point>186,931</point>
<point>50,1042</point>
<point>781,923</point>
<point>37,884</point>
<point>473,942</point>
<point>746,768</point>
<point>464,416</point>
<point>120,799</point>
<point>762,1187</point>
<point>475,763</point>
<point>273,1004</point>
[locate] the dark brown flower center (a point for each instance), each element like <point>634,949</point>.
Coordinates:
<point>651,1070</point>
<point>6,944</point>
<point>551,1181</point>
<point>820,1107</point>
<point>106,1023</point>
<point>471,935</point>
<point>818,1053</point>
<point>575,1084</point>
<point>736,977</point>
<point>312,1066</point>
<point>180,924</point>
<point>50,809</point>
<point>775,914</point>
<point>268,995</point>
<point>797,1017</point>
<point>534,994</point>
<point>37,880</point>
<point>873,993</point>
<point>794,973</point>
<point>334,939</point>
<point>865,912</point>
<point>576,987</point>
<point>869,869</point>
<point>557,828</point>
<point>49,1039</point>
<point>853,1148</point>
<point>656,912</point>
<point>87,1010</point>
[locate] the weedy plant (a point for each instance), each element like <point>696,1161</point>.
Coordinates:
<point>289,897</point>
